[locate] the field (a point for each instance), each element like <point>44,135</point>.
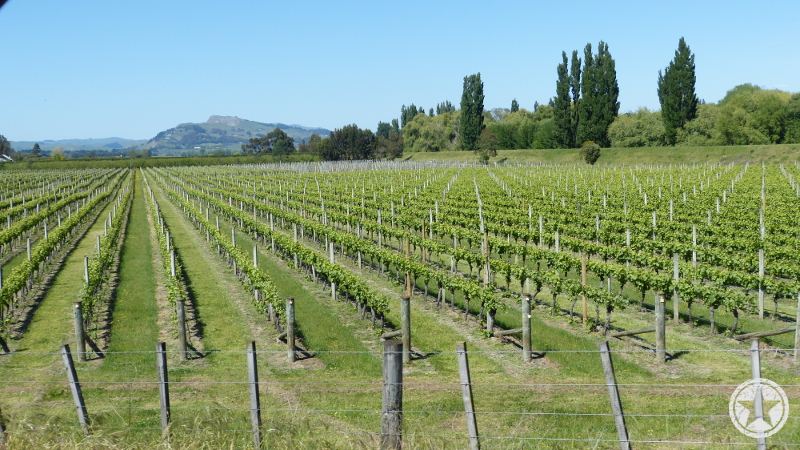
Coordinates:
<point>592,248</point>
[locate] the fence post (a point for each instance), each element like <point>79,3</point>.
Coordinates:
<point>676,312</point>
<point>180,310</point>
<point>290,328</point>
<point>466,394</point>
<point>583,283</point>
<point>392,408</point>
<point>405,326</point>
<point>86,269</point>
<point>255,401</point>
<point>661,330</point>
<point>758,400</point>
<point>526,328</point>
<point>613,393</point>
<point>797,333</point>
<point>163,386</point>
<point>75,387</point>
<point>80,336</point>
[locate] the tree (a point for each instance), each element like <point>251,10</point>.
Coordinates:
<point>390,147</point>
<point>276,142</point>
<point>445,107</point>
<point>676,92</point>
<point>471,111</point>
<point>640,129</point>
<point>514,106</point>
<point>575,87</point>
<point>590,152</point>
<point>793,120</point>
<point>5,146</point>
<point>599,104</point>
<point>407,114</point>
<point>561,106</point>
<point>351,142</point>
<point>383,129</point>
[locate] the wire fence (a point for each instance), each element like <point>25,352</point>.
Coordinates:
<point>521,405</point>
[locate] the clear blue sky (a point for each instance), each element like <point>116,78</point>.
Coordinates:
<point>93,69</point>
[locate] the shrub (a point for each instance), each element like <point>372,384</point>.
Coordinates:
<point>590,152</point>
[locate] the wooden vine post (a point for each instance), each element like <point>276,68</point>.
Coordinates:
<point>405,326</point>
<point>661,342</point>
<point>392,401</point>
<point>676,312</point>
<point>290,330</point>
<point>80,334</point>
<point>466,394</point>
<point>583,283</point>
<point>526,328</point>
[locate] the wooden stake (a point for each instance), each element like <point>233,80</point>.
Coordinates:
<point>75,387</point>
<point>405,327</point>
<point>392,402</point>
<point>163,386</point>
<point>466,394</point>
<point>180,310</point>
<point>758,400</point>
<point>613,393</point>
<point>80,334</point>
<point>583,283</point>
<point>255,401</point>
<point>290,331</point>
<point>661,342</point>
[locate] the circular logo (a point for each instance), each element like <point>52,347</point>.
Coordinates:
<point>774,408</point>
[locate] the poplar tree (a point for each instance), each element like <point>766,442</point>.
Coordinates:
<point>575,87</point>
<point>562,119</point>
<point>471,111</point>
<point>599,104</point>
<point>676,92</point>
<point>514,106</point>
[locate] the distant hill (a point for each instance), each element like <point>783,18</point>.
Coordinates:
<point>72,145</point>
<point>222,132</point>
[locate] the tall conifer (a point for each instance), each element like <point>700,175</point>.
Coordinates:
<point>676,92</point>
<point>561,106</point>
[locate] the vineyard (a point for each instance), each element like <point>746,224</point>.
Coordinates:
<point>531,265</point>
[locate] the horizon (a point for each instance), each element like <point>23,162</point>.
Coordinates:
<point>132,70</point>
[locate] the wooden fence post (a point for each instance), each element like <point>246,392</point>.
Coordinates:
<point>758,400</point>
<point>163,386</point>
<point>466,394</point>
<point>80,335</point>
<point>75,387</point>
<point>290,329</point>
<point>255,401</point>
<point>405,326</point>
<point>676,312</point>
<point>797,333</point>
<point>526,328</point>
<point>392,401</point>
<point>583,283</point>
<point>613,393</point>
<point>661,331</point>
<point>180,310</point>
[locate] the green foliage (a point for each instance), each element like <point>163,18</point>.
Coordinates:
<point>276,142</point>
<point>676,92</point>
<point>5,146</point>
<point>702,130</point>
<point>390,147</point>
<point>407,114</point>
<point>793,120</point>
<point>590,152</point>
<point>640,129</point>
<point>562,106</point>
<point>514,106</point>
<point>383,130</point>
<point>575,88</point>
<point>471,111</point>
<point>598,106</point>
<point>350,143</point>
<point>751,115</point>
<point>430,134</point>
<point>445,107</point>
<point>487,145</point>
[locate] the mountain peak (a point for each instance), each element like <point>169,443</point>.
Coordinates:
<point>231,121</point>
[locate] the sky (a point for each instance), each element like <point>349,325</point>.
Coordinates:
<point>94,69</point>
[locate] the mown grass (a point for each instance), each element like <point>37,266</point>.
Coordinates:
<point>782,153</point>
